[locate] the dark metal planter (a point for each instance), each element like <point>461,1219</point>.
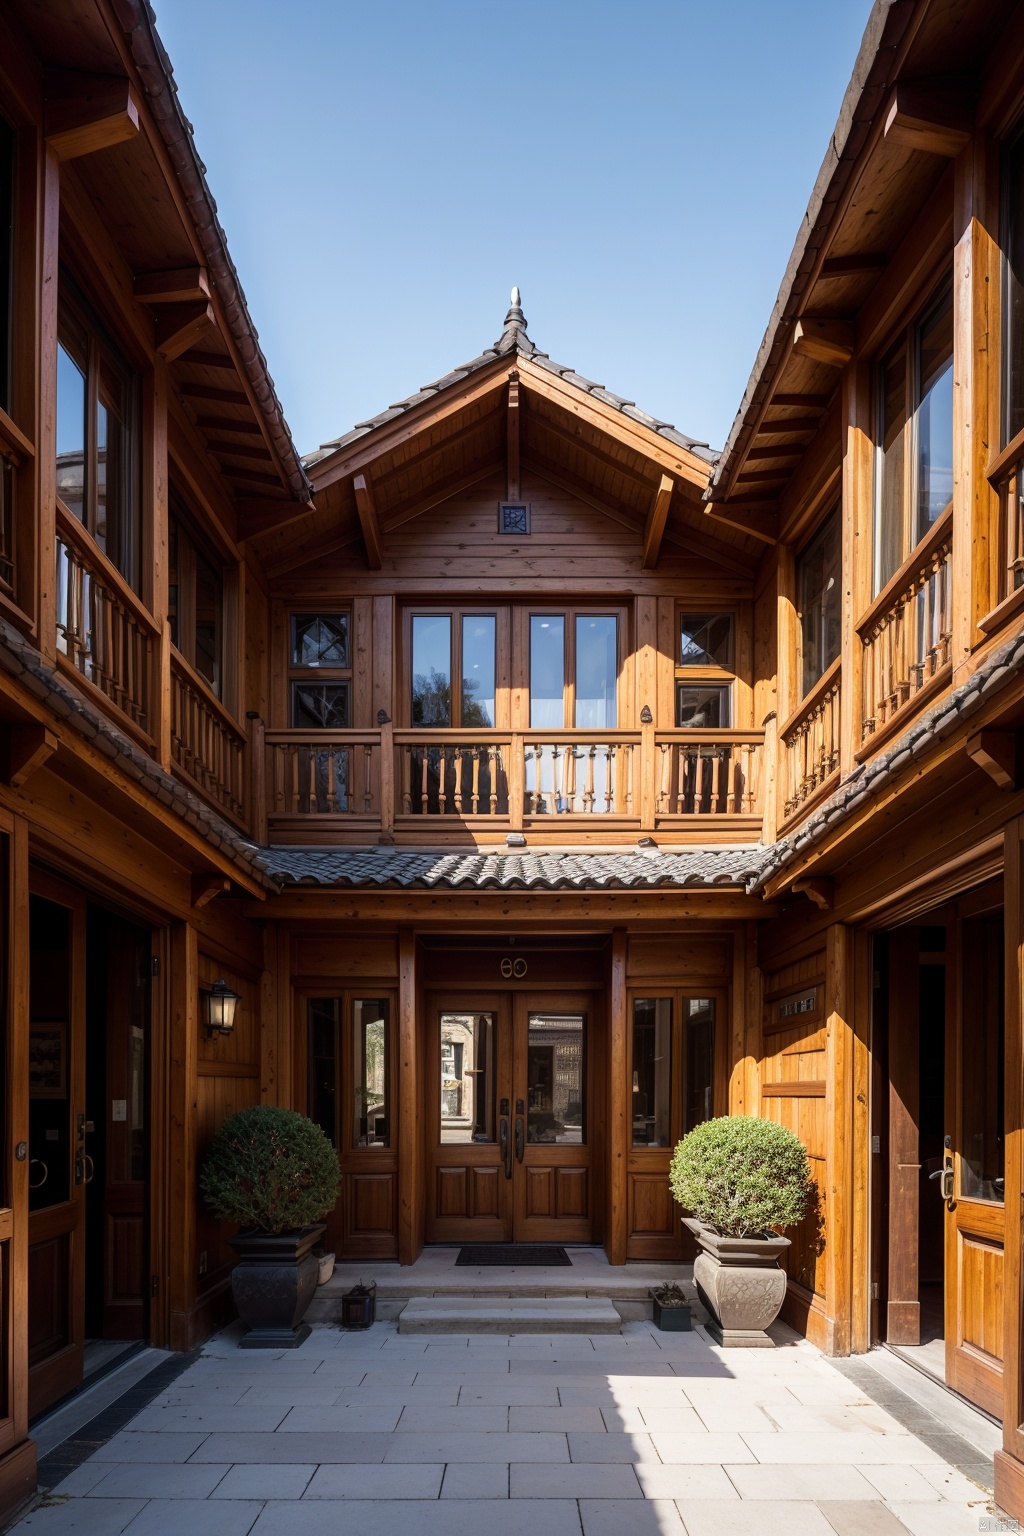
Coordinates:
<point>273,1284</point>
<point>671,1319</point>
<point>359,1306</point>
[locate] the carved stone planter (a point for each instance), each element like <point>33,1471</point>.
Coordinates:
<point>739,1281</point>
<point>273,1284</point>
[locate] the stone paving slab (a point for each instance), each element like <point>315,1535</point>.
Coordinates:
<point>654,1435</point>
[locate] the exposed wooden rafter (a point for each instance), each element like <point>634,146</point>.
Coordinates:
<point>857,264</point>
<point>687,538</point>
<point>84,112</point>
<point>825,339</point>
<point>227,423</point>
<point>442,490</point>
<point>800,424</point>
<point>657,517</point>
<point>999,754</point>
<point>367,510</point>
<point>180,285</point>
<point>206,887</point>
<point>180,326</point>
<point>801,402</point>
<point>933,116</point>
<point>513,416</point>
<point>761,521</point>
<point>259,514</point>
<point>28,748</point>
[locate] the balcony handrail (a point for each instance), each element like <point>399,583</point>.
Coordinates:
<point>917,561</point>
<point>728,736</point>
<point>199,684</point>
<point>810,701</point>
<point>314,737</point>
<point>71,532</point>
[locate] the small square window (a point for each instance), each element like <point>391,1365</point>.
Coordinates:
<point>323,706</point>
<point>514,517</point>
<point>320,640</point>
<point>705,640</point>
<point>702,709</point>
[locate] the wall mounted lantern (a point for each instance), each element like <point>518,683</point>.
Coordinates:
<point>219,1005</point>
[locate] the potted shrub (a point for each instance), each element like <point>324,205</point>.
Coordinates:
<point>671,1308</point>
<point>275,1174</point>
<point>742,1180</point>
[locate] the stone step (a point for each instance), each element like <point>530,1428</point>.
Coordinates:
<point>492,1314</point>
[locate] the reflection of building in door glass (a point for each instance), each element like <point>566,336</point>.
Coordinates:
<point>467,1077</point>
<point>555,1079</point>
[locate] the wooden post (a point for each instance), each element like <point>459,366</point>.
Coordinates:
<point>387,777</point>
<point>904,1307</point>
<point>838,1192</point>
<point>860,1254</point>
<point>648,777</point>
<point>517,781</point>
<point>857,501</point>
<point>183,991</point>
<point>410,1126</point>
<point>46,445</point>
<point>162,703</point>
<point>257,778</point>
<point>1009,1462</point>
<point>619,1117</point>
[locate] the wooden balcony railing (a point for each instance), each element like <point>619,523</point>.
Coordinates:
<point>906,635</point>
<point>206,744</point>
<point>445,773</point>
<point>575,773</point>
<point>708,773</point>
<point>329,774</point>
<point>810,742</point>
<point>103,629</point>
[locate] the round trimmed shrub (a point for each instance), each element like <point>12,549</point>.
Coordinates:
<point>270,1169</point>
<point>742,1176</point>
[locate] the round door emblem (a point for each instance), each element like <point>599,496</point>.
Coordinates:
<point>506,967</point>
<point>515,968</point>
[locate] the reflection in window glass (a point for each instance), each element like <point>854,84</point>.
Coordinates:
<point>652,1072</point>
<point>477,701</point>
<point>431,669</point>
<point>323,706</point>
<point>467,1077</point>
<point>323,1013</point>
<point>70,432</point>
<point>547,671</point>
<point>889,491</point>
<point>370,1073</point>
<point>320,640</point>
<point>700,709</point>
<point>699,1024</point>
<point>983,1148</point>
<point>209,600</point>
<point>705,640</point>
<point>935,416</point>
<point>555,1066</point>
<point>597,667</point>
<point>820,596</point>
<point>1013,252</point>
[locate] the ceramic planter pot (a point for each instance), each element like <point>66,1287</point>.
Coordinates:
<point>740,1282</point>
<point>670,1319</point>
<point>273,1283</point>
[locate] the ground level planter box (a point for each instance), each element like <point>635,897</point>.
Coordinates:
<point>273,1284</point>
<point>671,1319</point>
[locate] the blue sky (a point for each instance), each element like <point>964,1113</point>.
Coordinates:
<point>386,171</point>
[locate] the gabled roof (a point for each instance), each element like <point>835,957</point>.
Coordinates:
<point>514,341</point>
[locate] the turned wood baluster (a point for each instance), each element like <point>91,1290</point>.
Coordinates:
<point>457,791</point>
<point>493,768</point>
<point>589,793</point>
<point>474,798</point>
<point>626,778</point>
<point>406,761</point>
<point>367,778</point>
<point>424,788</point>
<point>609,777</point>
<point>442,771</point>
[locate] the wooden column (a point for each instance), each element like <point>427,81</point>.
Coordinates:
<point>976,285</point>
<point>839,1122</point>
<point>857,501</point>
<point>183,992</point>
<point>156,549</point>
<point>1009,1462</point>
<point>904,1307</point>
<point>410,1119</point>
<point>860,1042</point>
<point>46,445</point>
<point>619,1118</point>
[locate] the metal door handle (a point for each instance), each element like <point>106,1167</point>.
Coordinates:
<point>520,1138</point>
<point>945,1177</point>
<point>46,1173</point>
<point>506,1146</point>
<point>87,1178</point>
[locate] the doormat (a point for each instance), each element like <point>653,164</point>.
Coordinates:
<point>517,1255</point>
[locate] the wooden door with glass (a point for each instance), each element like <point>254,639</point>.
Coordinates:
<point>510,1144</point>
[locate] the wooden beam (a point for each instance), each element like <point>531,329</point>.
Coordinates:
<point>366,508</point>
<point>512,436</point>
<point>760,524</point>
<point>762,476</point>
<point>820,890</point>
<point>226,423</point>
<point>801,402</point>
<point>258,515</point>
<point>778,451</point>
<point>207,392</point>
<point>824,340</point>
<point>84,112</point>
<point>443,490</point>
<point>211,360</point>
<point>857,264</point>
<point>206,887</point>
<point>241,450</point>
<point>294,560</point>
<point>566,482</point>
<point>256,476</point>
<point>928,115</point>
<point>28,748</point>
<point>683,536</point>
<point>998,753</point>
<point>181,326</point>
<point>180,285</point>
<point>657,517</point>
<point>794,424</point>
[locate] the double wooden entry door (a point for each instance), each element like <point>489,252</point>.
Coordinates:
<point>509,1128</point>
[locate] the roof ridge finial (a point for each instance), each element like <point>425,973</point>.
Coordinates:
<point>513,337</point>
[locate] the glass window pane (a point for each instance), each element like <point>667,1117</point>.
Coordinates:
<point>478,631</point>
<point>819,586</point>
<point>323,1015</point>
<point>935,416</point>
<point>209,602</point>
<point>6,253</point>
<point>700,709</point>
<point>982,1149</point>
<point>173,582</point>
<point>555,1079</point>
<point>467,1077</point>
<point>892,377</point>
<point>705,640</point>
<point>597,671</point>
<point>370,1126</point>
<point>71,431</point>
<point>320,640</point>
<point>431,669</point>
<point>1013,247</point>
<point>547,671</point>
<point>699,1096</point>
<point>652,1072</point>
<point>322,706</point>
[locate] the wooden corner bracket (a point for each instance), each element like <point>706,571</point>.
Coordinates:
<point>205,888</point>
<point>85,112</point>
<point>821,890</point>
<point>999,754</point>
<point>28,748</point>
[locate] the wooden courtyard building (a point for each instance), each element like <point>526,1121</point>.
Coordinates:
<point>541,781</point>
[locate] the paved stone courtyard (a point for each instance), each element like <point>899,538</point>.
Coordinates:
<point>645,1432</point>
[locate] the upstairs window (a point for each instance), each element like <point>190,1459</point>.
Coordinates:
<point>320,674</point>
<point>704,670</point>
<point>1013,255</point>
<point>818,582</point>
<point>447,646</point>
<point>97,449</point>
<point>914,458</point>
<point>574,671</point>
<point>196,601</point>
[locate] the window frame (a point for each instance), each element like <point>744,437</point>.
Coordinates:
<point>704,675</point>
<point>570,614</point>
<point>907,340</point>
<point>344,1070</point>
<point>678,995</point>
<point>835,512</point>
<point>180,516</point>
<point>455,613</point>
<point>296,673</point>
<point>1012,146</point>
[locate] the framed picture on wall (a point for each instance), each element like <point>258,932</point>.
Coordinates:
<point>47,1061</point>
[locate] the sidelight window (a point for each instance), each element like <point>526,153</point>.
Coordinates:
<point>672,1067</point>
<point>349,1070</point>
<point>652,1072</point>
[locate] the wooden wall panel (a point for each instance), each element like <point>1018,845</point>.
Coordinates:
<point>680,956</point>
<point>342,958</point>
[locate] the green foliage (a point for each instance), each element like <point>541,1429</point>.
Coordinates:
<point>270,1169</point>
<point>742,1176</point>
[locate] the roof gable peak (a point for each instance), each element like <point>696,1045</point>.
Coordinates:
<point>513,337</point>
